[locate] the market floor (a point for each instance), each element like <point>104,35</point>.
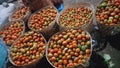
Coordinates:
<point>113,49</point>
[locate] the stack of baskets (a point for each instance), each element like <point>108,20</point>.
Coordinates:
<point>63,38</point>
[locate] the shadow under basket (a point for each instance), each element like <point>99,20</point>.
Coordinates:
<point>107,30</point>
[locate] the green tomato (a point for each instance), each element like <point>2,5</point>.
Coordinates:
<point>73,26</point>
<point>76,34</point>
<point>62,47</point>
<point>50,55</point>
<point>22,50</point>
<point>105,20</point>
<point>59,41</point>
<point>45,23</point>
<point>111,18</point>
<point>33,57</point>
<point>14,49</point>
<point>109,21</point>
<point>30,56</point>
<point>81,52</point>
<point>103,4</point>
<point>60,61</point>
<point>79,46</point>
<point>72,12</point>
<point>86,46</point>
<point>76,21</point>
<point>34,45</point>
<point>70,61</point>
<point>79,41</point>
<point>31,32</point>
<point>83,48</point>
<point>116,16</point>
<point>65,36</point>
<point>55,46</point>
<point>60,56</point>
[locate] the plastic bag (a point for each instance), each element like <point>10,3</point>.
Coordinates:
<point>3,54</point>
<point>5,12</point>
<point>8,9</point>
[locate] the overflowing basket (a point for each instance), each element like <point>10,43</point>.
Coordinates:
<point>12,31</point>
<point>21,13</point>
<point>76,15</point>
<point>43,19</point>
<point>27,50</point>
<point>108,17</point>
<point>69,48</point>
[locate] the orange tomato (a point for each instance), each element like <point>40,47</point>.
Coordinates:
<point>65,61</point>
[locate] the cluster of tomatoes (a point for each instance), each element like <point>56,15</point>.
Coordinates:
<point>12,31</point>
<point>28,49</point>
<point>75,17</point>
<point>42,19</point>
<point>108,12</point>
<point>20,13</point>
<point>69,48</point>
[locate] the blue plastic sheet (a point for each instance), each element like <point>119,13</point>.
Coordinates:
<point>60,7</point>
<point>3,54</point>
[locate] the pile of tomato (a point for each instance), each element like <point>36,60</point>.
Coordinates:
<point>108,12</point>
<point>12,31</point>
<point>69,48</point>
<point>28,49</point>
<point>20,13</point>
<point>75,17</point>
<point>43,18</point>
<point>66,49</point>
